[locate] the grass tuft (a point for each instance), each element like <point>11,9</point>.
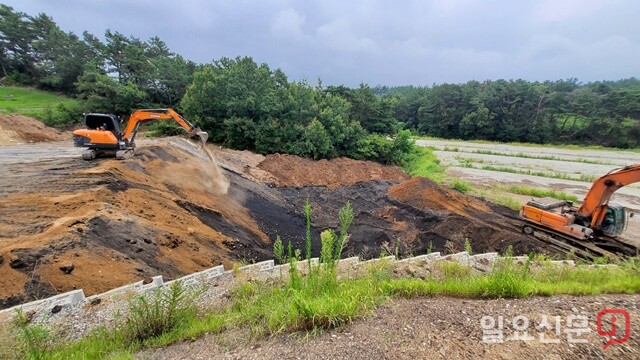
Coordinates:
<point>541,193</point>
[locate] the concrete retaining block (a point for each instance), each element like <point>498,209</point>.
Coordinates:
<point>198,278</point>
<point>348,262</point>
<point>129,290</point>
<point>483,262</point>
<point>373,261</point>
<point>65,300</point>
<point>569,263</point>
<point>421,258</point>
<point>520,260</point>
<point>461,257</point>
<point>261,266</point>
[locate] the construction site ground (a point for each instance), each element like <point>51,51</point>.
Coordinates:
<point>72,224</point>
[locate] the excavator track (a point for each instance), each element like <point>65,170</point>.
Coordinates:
<point>611,248</point>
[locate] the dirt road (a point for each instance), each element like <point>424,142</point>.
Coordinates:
<point>443,328</point>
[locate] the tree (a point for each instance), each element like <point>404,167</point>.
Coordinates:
<point>104,94</point>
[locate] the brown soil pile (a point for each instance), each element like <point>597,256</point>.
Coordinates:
<point>464,217</point>
<point>426,194</point>
<point>67,223</point>
<point>17,129</point>
<point>162,212</point>
<point>294,171</point>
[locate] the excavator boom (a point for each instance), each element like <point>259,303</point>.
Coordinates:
<point>595,202</point>
<point>144,115</point>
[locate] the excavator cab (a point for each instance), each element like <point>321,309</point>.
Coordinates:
<point>101,131</point>
<point>615,220</point>
<point>103,122</point>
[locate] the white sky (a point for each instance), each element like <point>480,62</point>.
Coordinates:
<point>386,42</point>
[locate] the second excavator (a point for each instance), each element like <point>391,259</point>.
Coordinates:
<point>593,227</point>
<point>102,135</point>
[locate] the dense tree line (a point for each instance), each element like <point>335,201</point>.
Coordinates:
<point>246,105</point>
<point>240,103</point>
<point>249,106</point>
<point>603,113</point>
<point>115,75</point>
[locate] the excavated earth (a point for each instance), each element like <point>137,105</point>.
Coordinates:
<point>70,224</point>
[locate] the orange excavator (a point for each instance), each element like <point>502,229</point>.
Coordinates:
<point>595,225</point>
<point>102,135</point>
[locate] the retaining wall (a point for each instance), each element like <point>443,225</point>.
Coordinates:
<point>67,304</point>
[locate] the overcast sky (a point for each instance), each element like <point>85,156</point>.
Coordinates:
<point>387,42</point>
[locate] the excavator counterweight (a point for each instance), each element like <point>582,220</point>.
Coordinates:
<point>102,135</point>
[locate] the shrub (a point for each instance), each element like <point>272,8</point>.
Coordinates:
<point>153,315</point>
<point>34,340</point>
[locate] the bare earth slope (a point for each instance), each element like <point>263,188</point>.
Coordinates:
<point>18,129</point>
<point>70,224</point>
<point>116,222</point>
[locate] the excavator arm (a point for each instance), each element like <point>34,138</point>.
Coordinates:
<point>595,203</point>
<point>144,115</point>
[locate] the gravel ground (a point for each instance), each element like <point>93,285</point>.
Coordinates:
<point>440,328</point>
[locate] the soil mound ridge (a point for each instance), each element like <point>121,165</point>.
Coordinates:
<point>18,129</point>
<point>294,171</point>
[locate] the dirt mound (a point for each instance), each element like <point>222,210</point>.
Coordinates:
<point>170,211</point>
<point>426,194</point>
<point>294,171</point>
<point>17,129</point>
<point>161,212</point>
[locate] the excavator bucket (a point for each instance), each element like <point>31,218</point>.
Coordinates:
<point>203,135</point>
<point>196,132</point>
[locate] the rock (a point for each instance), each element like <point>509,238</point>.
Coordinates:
<point>147,280</point>
<point>17,263</point>
<point>67,268</point>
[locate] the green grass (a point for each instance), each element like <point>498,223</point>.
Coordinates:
<point>321,301</point>
<point>542,157</point>
<point>552,175</point>
<point>541,193</point>
<point>461,185</point>
<point>556,146</point>
<point>497,196</point>
<point>53,110</point>
<point>421,161</point>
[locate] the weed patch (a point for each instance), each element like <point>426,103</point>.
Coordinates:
<point>541,193</point>
<point>421,161</point>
